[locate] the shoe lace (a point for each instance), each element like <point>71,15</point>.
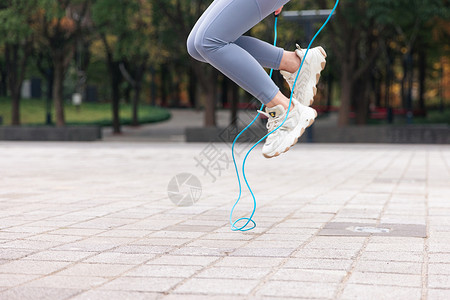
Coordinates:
<point>272,122</point>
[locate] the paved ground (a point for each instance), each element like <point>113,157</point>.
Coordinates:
<point>94,221</point>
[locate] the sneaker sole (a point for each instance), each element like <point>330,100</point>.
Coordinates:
<point>302,131</point>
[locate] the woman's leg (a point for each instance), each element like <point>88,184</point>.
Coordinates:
<point>225,22</point>
<point>266,54</point>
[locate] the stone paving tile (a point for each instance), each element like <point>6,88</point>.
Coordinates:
<point>29,244</point>
<point>234,273</point>
<point>327,253</point>
<point>265,252</point>
<point>203,297</point>
<point>217,286</point>
<point>136,249</point>
<point>439,281</point>
<point>439,258</point>
<point>69,282</point>
<point>438,294</point>
<point>32,267</point>
<point>203,251</point>
<point>308,275</point>
<point>95,270</point>
<point>163,271</point>
<point>386,279</point>
<point>10,254</point>
<point>378,292</point>
<point>320,264</point>
<point>119,258</point>
<point>37,293</point>
<point>116,295</point>
<point>10,280</point>
<point>309,290</point>
<point>180,260</point>
<point>216,243</point>
<point>160,242</point>
<point>176,235</point>
<point>141,284</point>
<point>389,267</point>
<point>407,256</point>
<point>279,238</point>
<point>52,255</point>
<point>94,244</point>
<point>55,238</point>
<point>251,262</point>
<point>439,268</point>
<point>77,231</point>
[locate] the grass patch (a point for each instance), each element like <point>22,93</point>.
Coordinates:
<point>435,117</point>
<point>33,112</point>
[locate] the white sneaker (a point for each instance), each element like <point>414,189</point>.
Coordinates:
<point>305,89</point>
<point>300,118</point>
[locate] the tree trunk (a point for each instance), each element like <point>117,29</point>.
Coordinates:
<point>210,102</point>
<point>115,82</point>
<point>58,93</point>
<point>346,95</point>
<point>15,67</point>
<point>224,92</point>
<point>163,83</point>
<point>137,94</point>
<point>362,87</point>
<point>153,86</point>
<point>422,78</point>
<point>192,90</point>
<point>3,79</point>
<point>207,77</point>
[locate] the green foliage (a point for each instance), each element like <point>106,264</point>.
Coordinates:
<point>124,25</point>
<point>15,20</point>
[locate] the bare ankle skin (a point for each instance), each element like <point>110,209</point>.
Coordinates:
<point>290,62</point>
<point>279,99</point>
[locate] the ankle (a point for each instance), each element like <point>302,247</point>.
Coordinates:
<point>280,99</point>
<point>290,62</point>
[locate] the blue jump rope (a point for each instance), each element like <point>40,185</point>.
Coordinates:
<point>249,220</point>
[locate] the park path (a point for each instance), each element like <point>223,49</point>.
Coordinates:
<point>94,221</point>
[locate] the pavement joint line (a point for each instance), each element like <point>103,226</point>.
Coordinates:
<point>68,227</point>
<point>248,241</point>
<point>310,239</point>
<point>78,261</point>
<point>220,258</point>
<point>344,282</point>
<point>153,258</point>
<point>425,281</point>
<point>227,254</point>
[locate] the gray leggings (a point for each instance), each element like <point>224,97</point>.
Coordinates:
<point>217,39</point>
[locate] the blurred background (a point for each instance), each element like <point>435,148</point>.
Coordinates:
<point>116,62</point>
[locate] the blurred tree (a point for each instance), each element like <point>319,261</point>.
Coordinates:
<point>354,40</point>
<point>126,33</point>
<point>58,25</point>
<point>411,22</point>
<point>138,49</point>
<point>16,36</point>
<point>3,77</point>
<point>175,19</point>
